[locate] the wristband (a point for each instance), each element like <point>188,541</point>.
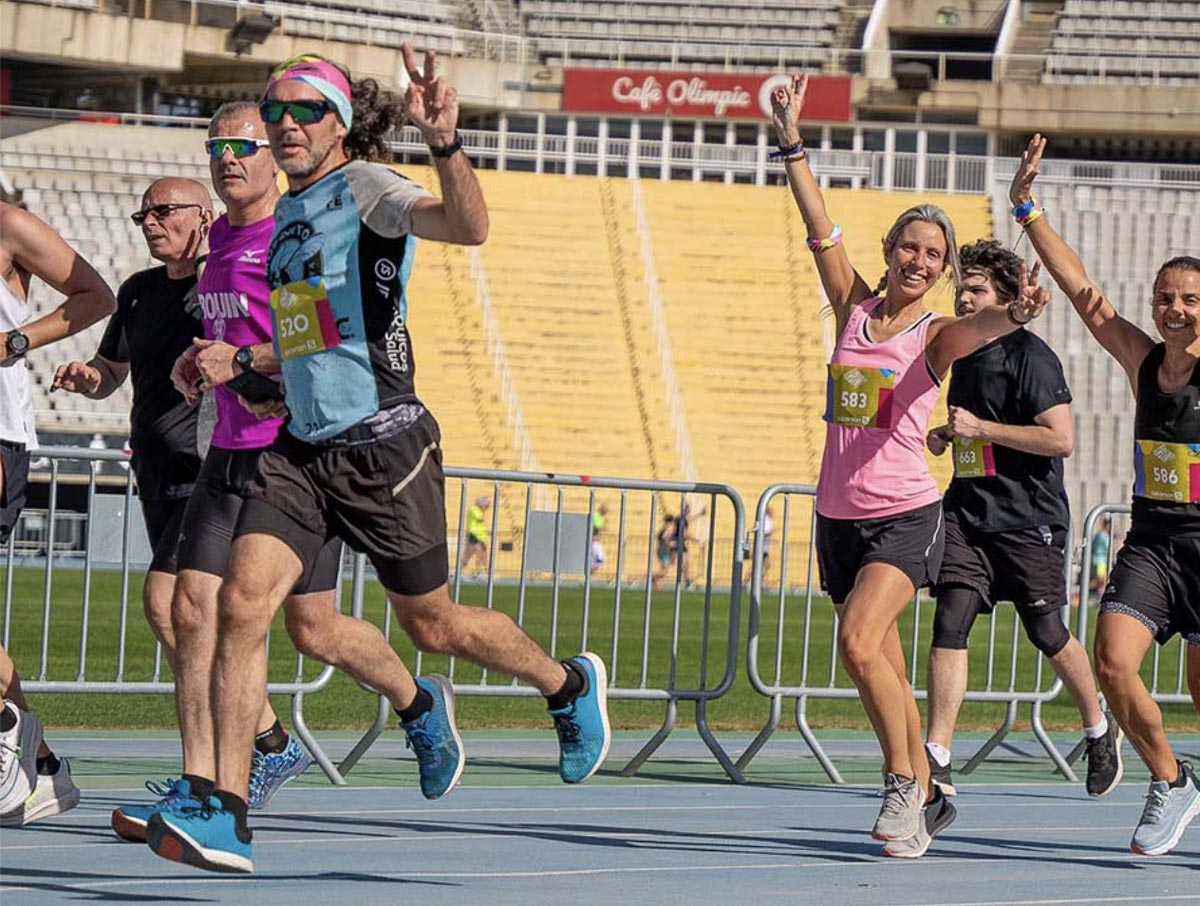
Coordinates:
<point>1009,309</point>
<point>820,245</point>
<point>447,150</point>
<point>791,152</point>
<point>1025,209</point>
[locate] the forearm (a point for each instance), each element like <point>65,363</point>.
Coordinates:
<point>1064,265</point>
<point>109,382</point>
<point>1039,440</point>
<point>462,198</point>
<point>79,312</point>
<point>264,359</point>
<point>809,199</point>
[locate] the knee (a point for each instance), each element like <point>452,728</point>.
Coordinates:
<point>1112,667</point>
<point>190,612</point>
<point>431,633</point>
<point>240,612</point>
<point>857,653</point>
<point>1047,632</point>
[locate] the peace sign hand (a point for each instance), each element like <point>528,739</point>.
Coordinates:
<point>1033,299</point>
<point>431,104</point>
<point>786,103</point>
<point>1021,189</point>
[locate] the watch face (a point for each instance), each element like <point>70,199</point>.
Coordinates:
<point>17,343</point>
<point>243,357</point>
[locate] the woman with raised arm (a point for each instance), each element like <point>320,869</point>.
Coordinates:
<point>1154,589</point>
<point>879,528</point>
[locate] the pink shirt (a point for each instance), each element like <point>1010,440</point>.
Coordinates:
<point>235,299</point>
<point>879,397</point>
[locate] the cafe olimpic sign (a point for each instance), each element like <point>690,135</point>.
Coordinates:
<point>698,95</point>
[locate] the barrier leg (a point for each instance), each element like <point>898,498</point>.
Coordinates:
<point>715,747</point>
<point>764,734</point>
<point>655,741</point>
<point>1060,765</point>
<point>1010,719</point>
<point>1076,753</point>
<point>813,743</point>
<point>300,728</point>
<point>368,740</point>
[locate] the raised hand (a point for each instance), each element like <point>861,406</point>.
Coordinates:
<point>76,377</point>
<point>1021,189</point>
<point>1033,299</point>
<point>431,104</point>
<point>786,103</point>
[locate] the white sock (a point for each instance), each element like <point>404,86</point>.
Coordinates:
<point>1098,730</point>
<point>940,753</point>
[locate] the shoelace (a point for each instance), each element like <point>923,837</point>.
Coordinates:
<point>5,750</point>
<point>894,800</point>
<point>567,727</point>
<point>421,742</point>
<point>1156,801</point>
<point>167,790</point>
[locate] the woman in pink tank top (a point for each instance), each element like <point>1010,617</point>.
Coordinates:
<point>879,529</point>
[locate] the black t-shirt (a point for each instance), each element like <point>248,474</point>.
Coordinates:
<point>1011,380</point>
<point>1168,418</point>
<point>155,321</point>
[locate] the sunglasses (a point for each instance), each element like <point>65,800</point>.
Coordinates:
<point>160,211</point>
<point>241,147</point>
<point>303,112</point>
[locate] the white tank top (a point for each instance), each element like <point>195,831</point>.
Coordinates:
<point>16,403</point>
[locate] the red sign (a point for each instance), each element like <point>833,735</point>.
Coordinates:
<point>638,92</point>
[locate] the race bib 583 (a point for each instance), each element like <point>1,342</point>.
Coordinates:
<point>859,396</point>
<point>1166,471</point>
<point>304,322</point>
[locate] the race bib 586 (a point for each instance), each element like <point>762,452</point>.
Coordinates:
<point>304,322</point>
<point>1166,471</point>
<point>859,396</point>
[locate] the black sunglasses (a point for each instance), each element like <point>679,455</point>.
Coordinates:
<point>303,112</point>
<point>160,211</point>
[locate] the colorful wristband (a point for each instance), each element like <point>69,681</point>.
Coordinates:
<point>1030,218</point>
<point>1025,209</point>
<point>794,152</point>
<point>820,245</point>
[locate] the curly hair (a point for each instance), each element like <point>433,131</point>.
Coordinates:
<point>926,213</point>
<point>1178,263</point>
<point>1001,265</point>
<point>376,116</point>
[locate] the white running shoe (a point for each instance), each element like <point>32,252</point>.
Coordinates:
<point>52,795</point>
<point>18,758</point>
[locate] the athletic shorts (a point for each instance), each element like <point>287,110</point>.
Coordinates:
<point>384,498</point>
<point>206,537</point>
<point>14,461</point>
<point>1024,566</point>
<point>912,542</point>
<point>1156,580</point>
<point>163,521</point>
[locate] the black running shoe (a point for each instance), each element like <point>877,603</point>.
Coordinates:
<point>940,775</point>
<point>1104,761</point>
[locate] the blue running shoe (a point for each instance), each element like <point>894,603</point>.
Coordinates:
<point>1168,812</point>
<point>204,837</point>
<point>434,739</point>
<point>268,773</point>
<point>129,821</point>
<point>582,726</point>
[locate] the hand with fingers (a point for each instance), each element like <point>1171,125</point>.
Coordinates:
<point>76,377</point>
<point>939,439</point>
<point>787,101</point>
<point>185,375</point>
<point>214,361</point>
<point>963,423</point>
<point>1021,189</point>
<point>1033,299</point>
<point>430,104</point>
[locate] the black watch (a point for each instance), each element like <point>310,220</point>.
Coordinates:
<point>447,150</point>
<point>18,344</point>
<point>245,358</point>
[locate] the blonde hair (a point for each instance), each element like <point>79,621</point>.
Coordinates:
<point>923,213</point>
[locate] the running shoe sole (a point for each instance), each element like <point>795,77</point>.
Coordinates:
<point>601,702</point>
<point>130,829</point>
<point>1175,838</point>
<point>173,844</point>
<point>44,809</point>
<point>447,690</point>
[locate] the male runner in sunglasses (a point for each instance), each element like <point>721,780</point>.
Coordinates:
<point>361,457</point>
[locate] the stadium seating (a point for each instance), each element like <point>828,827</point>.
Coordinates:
<point>1126,39</point>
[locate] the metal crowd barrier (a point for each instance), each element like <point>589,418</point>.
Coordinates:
<point>54,556</point>
<point>813,670</point>
<point>556,598</point>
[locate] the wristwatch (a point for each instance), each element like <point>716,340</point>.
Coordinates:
<point>18,344</point>
<point>244,358</point>
<point>447,150</point>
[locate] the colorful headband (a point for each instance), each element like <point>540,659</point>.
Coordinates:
<point>321,75</point>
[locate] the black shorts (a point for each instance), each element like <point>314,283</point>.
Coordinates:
<point>1024,566</point>
<point>211,517</point>
<point>1156,580</point>
<point>163,520</point>
<point>14,461</point>
<point>912,542</point>
<point>385,498</point>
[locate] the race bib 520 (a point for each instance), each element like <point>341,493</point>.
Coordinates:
<point>1166,471</point>
<point>973,458</point>
<point>859,396</point>
<point>304,322</point>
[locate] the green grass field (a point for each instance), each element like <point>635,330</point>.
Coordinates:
<point>342,704</point>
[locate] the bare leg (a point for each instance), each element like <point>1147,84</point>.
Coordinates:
<point>157,592</point>
<point>1073,668</point>
<point>10,690</point>
<point>948,674</point>
<point>1121,644</point>
<point>1193,675</point>
<point>486,637</point>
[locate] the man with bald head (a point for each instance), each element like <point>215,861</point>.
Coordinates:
<point>158,315</point>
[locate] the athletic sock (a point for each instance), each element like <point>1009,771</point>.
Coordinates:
<point>236,805</point>
<point>8,719</point>
<point>272,740</point>
<point>570,688</point>
<point>1098,730</point>
<point>201,787</point>
<point>420,705</point>
<point>48,765</point>
<point>939,752</point>
<point>1182,779</point>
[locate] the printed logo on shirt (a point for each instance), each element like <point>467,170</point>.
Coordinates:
<point>252,256</point>
<point>335,203</point>
<point>295,254</point>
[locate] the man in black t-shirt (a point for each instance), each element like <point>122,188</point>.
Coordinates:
<point>1006,515</point>
<point>158,315</point>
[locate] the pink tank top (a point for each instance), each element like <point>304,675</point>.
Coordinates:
<point>878,400</point>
